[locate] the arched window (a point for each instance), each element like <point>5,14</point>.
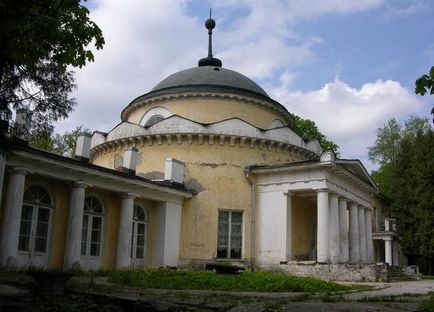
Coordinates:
<point>138,241</point>
<point>154,115</point>
<point>92,227</point>
<point>153,120</point>
<point>35,221</point>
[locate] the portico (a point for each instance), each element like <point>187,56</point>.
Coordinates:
<point>82,215</point>
<point>330,195</point>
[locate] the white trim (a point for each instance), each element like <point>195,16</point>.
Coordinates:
<point>159,110</point>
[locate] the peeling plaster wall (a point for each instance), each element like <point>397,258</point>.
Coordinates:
<point>218,171</point>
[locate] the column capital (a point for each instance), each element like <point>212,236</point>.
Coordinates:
<point>20,170</point>
<point>334,195</point>
<point>79,184</point>
<point>343,198</point>
<point>288,193</point>
<point>322,190</point>
<point>353,204</point>
<point>128,195</point>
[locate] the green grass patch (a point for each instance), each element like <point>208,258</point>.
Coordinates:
<point>427,305</point>
<point>427,277</point>
<point>209,280</point>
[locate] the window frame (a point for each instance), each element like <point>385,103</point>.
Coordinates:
<point>89,229</point>
<point>134,236</point>
<point>36,206</point>
<point>228,247</point>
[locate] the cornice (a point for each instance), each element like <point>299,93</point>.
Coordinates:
<point>202,139</point>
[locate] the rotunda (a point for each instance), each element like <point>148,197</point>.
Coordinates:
<point>217,122</point>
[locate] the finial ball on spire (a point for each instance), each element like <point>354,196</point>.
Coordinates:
<point>210,23</point>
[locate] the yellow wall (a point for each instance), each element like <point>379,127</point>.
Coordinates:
<point>212,110</point>
<point>303,214</point>
<point>219,171</point>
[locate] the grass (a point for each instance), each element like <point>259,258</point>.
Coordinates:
<point>208,280</point>
<point>16,278</point>
<point>427,277</point>
<point>427,305</point>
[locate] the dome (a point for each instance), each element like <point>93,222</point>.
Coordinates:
<point>202,77</point>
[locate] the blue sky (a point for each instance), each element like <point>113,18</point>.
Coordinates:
<point>347,65</point>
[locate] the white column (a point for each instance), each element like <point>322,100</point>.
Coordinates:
<point>12,217</point>
<point>388,251</point>
<point>168,234</point>
<point>369,242</point>
<point>362,234</point>
<point>123,254</point>
<point>354,234</point>
<point>323,239</point>
<point>288,227</point>
<point>334,228</point>
<point>75,225</point>
<point>274,227</point>
<point>343,231</point>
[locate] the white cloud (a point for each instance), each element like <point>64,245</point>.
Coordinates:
<point>349,116</point>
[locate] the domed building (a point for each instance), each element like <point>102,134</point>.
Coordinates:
<point>205,167</point>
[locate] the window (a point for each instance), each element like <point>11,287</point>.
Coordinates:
<point>92,227</point>
<point>229,241</point>
<point>138,241</point>
<point>35,220</point>
<point>154,115</point>
<point>153,120</point>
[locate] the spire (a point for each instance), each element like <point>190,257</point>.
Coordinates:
<point>210,60</point>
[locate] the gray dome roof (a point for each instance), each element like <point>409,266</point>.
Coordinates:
<point>209,76</point>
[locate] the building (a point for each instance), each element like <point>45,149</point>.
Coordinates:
<point>204,167</point>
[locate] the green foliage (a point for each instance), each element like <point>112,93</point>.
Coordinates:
<point>386,145</point>
<point>427,305</point>
<point>308,130</point>
<point>208,280</point>
<point>38,41</point>
<point>406,176</point>
<point>424,84</point>
<point>59,144</point>
<point>387,148</point>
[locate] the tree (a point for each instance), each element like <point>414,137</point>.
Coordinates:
<point>406,176</point>
<point>412,199</point>
<point>59,144</point>
<point>387,148</point>
<point>424,84</point>
<point>308,130</point>
<point>38,41</point>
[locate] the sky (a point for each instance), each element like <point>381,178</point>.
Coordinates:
<point>349,66</point>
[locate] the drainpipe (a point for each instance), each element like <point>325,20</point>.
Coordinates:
<point>253,221</point>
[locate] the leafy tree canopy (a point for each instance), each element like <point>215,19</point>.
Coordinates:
<point>424,84</point>
<point>38,41</point>
<point>308,130</point>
